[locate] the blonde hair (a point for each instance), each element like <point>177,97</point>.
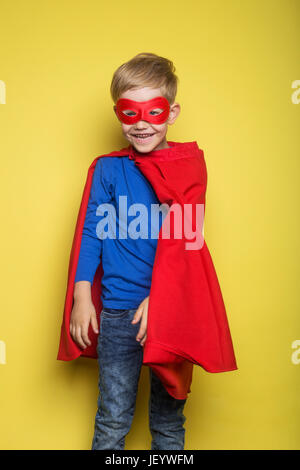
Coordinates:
<point>145,70</point>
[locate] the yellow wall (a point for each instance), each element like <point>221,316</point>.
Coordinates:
<point>236,62</point>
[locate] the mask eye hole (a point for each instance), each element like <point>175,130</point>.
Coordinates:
<point>129,112</point>
<point>156,111</point>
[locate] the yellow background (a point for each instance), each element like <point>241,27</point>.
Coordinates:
<point>236,63</point>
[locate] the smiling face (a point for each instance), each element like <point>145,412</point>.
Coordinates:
<point>144,135</point>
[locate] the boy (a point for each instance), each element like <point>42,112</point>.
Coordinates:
<point>187,318</point>
<point>126,281</point>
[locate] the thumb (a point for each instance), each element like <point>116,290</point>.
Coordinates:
<point>94,322</point>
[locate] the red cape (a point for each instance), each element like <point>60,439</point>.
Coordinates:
<point>187,322</point>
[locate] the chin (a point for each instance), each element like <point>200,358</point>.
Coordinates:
<point>146,148</point>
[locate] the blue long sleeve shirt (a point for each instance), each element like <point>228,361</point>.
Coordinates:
<point>127,260</point>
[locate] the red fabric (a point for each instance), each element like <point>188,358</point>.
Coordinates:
<point>187,321</point>
<point>142,110</point>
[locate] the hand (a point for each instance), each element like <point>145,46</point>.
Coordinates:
<point>82,314</point>
<point>142,312</point>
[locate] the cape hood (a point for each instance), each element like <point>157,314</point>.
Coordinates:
<point>187,321</point>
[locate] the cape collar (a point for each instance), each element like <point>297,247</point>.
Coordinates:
<point>175,150</point>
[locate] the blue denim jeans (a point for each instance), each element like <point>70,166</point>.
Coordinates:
<point>120,358</point>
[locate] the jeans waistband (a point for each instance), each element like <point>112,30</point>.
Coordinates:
<point>116,310</point>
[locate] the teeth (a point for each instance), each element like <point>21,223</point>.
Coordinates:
<point>142,135</point>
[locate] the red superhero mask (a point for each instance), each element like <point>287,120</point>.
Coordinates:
<point>140,110</point>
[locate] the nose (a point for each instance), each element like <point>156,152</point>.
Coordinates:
<point>141,124</point>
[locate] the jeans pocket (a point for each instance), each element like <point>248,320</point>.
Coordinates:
<point>114,313</point>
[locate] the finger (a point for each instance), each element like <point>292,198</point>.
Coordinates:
<point>84,335</point>
<point>94,323</point>
<point>137,315</point>
<point>143,329</point>
<point>141,333</point>
<point>73,331</point>
<point>143,340</point>
<point>78,337</point>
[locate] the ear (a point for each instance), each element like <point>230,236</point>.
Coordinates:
<point>174,113</point>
